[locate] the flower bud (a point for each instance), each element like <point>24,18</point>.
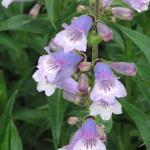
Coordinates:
<point>35,10</point>
<point>106,3</point>
<point>83,84</point>
<point>123,13</point>
<point>124,68</point>
<point>73,19</point>
<point>73,120</point>
<point>81,8</point>
<point>104,32</point>
<point>85,66</point>
<point>101,133</point>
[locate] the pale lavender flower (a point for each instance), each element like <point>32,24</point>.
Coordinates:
<point>74,35</point>
<point>122,13</point>
<point>106,3</point>
<point>104,32</point>
<point>105,110</point>
<point>124,68</point>
<point>54,68</point>
<point>139,5</point>
<point>86,138</point>
<point>107,86</point>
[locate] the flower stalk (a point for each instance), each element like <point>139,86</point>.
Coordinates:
<point>95,45</point>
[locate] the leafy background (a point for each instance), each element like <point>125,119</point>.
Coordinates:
<point>30,120</point>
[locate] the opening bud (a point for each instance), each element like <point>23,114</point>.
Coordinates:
<point>101,134</point>
<point>85,66</point>
<point>104,32</point>
<point>73,120</point>
<point>35,10</point>
<point>83,84</point>
<point>123,13</point>
<point>124,68</point>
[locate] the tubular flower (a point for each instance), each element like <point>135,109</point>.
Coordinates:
<point>105,110</point>
<point>86,138</point>
<point>104,32</point>
<point>54,68</point>
<point>107,86</point>
<point>74,35</point>
<point>122,13</point>
<point>139,5</point>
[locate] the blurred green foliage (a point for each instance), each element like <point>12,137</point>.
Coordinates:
<point>30,120</point>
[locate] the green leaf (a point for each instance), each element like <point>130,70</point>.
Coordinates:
<point>50,9</point>
<point>141,40</point>
<point>6,117</point>
<point>31,116</point>
<point>15,142</point>
<point>141,120</point>
<point>57,108</point>
<point>3,92</point>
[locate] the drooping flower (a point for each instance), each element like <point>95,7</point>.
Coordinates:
<point>54,68</point>
<point>104,32</point>
<point>74,35</point>
<point>124,68</point>
<point>105,110</point>
<point>86,138</point>
<point>107,86</point>
<point>122,13</point>
<point>106,3</point>
<point>139,5</point>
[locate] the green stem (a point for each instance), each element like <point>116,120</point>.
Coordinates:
<point>95,45</point>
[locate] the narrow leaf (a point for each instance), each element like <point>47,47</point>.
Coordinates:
<point>6,117</point>
<point>141,120</point>
<point>57,108</point>
<point>141,40</point>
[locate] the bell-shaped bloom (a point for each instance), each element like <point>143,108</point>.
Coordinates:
<point>104,32</point>
<point>139,5</point>
<point>106,3</point>
<point>74,35</point>
<point>107,86</point>
<point>105,110</point>
<point>124,68</point>
<point>86,138</point>
<point>6,3</point>
<point>54,68</point>
<point>122,13</point>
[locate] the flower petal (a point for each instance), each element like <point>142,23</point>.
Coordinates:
<point>120,90</point>
<point>116,108</point>
<point>104,111</point>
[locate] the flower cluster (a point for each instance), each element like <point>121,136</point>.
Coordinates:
<point>65,56</point>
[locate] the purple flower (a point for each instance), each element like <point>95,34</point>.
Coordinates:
<point>124,68</point>
<point>106,3</point>
<point>86,138</point>
<point>104,32</point>
<point>53,69</point>
<point>122,13</point>
<point>107,86</point>
<point>139,5</point>
<point>74,35</point>
<point>105,110</point>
